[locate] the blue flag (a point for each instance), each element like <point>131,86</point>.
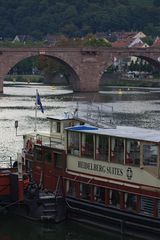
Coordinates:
<point>38,99</point>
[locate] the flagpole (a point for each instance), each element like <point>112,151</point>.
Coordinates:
<point>35,127</point>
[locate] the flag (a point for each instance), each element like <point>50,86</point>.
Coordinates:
<point>38,102</point>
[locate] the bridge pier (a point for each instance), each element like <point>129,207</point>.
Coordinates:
<point>87,86</point>
<point>89,74</point>
<point>1,85</point>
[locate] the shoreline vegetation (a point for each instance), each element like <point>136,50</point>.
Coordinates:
<point>105,81</point>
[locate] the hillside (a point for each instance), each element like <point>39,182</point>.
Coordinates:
<point>141,2</point>
<point>77,18</point>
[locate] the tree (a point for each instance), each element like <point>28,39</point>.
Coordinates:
<point>156,3</point>
<point>90,40</point>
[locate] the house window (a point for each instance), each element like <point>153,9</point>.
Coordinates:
<point>102,147</point>
<point>58,160</point>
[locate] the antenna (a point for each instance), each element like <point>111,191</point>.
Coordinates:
<point>16,126</point>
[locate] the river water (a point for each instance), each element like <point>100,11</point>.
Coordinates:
<point>136,107</point>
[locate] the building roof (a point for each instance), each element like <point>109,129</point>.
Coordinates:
<point>121,43</point>
<point>156,42</point>
<point>127,35</point>
<point>23,38</point>
<point>51,38</point>
<point>130,42</point>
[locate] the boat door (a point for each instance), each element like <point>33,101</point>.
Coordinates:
<point>48,169</point>
<point>37,166</point>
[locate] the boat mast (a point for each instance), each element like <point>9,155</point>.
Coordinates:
<point>36,104</point>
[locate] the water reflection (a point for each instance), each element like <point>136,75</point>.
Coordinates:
<point>25,89</point>
<point>14,228</point>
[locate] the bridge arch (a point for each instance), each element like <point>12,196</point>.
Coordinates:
<point>153,59</point>
<point>74,78</point>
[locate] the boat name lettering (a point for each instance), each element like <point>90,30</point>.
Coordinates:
<point>101,168</point>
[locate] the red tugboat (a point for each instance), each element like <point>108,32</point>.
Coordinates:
<point>103,175</point>
<point>13,183</point>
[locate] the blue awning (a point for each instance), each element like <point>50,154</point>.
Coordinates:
<point>82,128</point>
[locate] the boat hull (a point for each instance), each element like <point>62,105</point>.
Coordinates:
<point>113,219</point>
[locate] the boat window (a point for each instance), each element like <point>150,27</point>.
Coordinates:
<point>117,150</point>
<point>87,145</point>
<point>102,147</point>
<point>73,143</point>
<point>150,154</point>
<point>147,205</point>
<point>58,160</point>
<point>38,153</point>
<point>58,127</point>
<point>130,201</point>
<point>53,127</point>
<point>70,188</point>
<point>99,194</point>
<point>48,156</point>
<point>29,145</point>
<point>114,198</point>
<point>85,191</point>
<point>132,155</point>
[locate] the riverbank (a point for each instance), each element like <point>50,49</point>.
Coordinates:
<point>118,80</point>
<point>107,80</point>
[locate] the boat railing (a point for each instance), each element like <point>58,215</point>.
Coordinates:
<point>42,139</point>
<point>95,114</point>
<point>7,163</point>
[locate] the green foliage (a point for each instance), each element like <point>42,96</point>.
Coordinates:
<point>141,66</point>
<point>156,3</point>
<point>50,67</point>
<point>149,40</point>
<point>77,18</point>
<point>24,78</point>
<point>21,44</point>
<point>93,42</point>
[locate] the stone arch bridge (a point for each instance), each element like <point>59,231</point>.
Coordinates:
<point>86,64</point>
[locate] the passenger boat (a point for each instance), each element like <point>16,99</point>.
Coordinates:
<point>99,174</point>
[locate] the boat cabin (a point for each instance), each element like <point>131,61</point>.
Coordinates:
<point>44,152</point>
<point>120,146</point>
